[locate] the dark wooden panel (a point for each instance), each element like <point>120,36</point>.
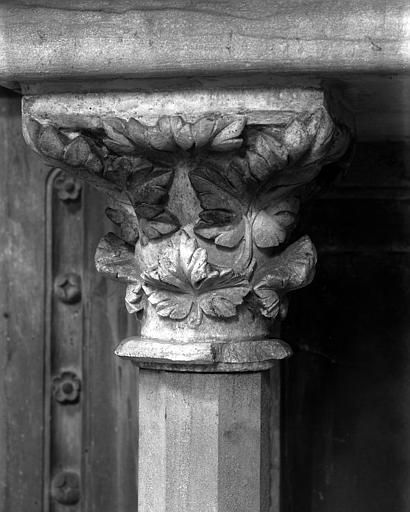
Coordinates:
<point>346,422</point>
<point>97,436</point>
<point>110,423</point>
<point>22,186</point>
<point>40,337</point>
<point>64,341</point>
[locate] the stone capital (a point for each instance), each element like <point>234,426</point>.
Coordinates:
<point>205,188</point>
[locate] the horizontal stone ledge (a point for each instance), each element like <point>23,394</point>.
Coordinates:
<point>97,39</point>
<point>273,104</point>
<point>246,355</point>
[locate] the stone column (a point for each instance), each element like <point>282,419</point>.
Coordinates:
<point>205,187</point>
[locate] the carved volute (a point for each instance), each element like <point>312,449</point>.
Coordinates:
<point>205,188</point>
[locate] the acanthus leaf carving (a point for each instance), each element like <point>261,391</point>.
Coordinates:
<point>148,192</point>
<point>249,181</point>
<point>89,165</point>
<point>126,219</point>
<point>223,197</point>
<point>118,169</point>
<point>265,154</point>
<point>228,138</point>
<point>134,298</point>
<point>184,282</point>
<point>271,226</point>
<point>171,133</point>
<point>229,204</point>
<point>115,258</point>
<point>294,268</point>
<point>264,186</point>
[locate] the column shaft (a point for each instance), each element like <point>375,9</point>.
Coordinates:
<point>204,442</point>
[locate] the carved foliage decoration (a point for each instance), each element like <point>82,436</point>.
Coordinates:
<point>292,269</point>
<point>262,187</point>
<point>249,182</point>
<point>184,282</point>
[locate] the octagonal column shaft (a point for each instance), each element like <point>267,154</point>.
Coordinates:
<point>204,442</point>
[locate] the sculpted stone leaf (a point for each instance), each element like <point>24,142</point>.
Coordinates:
<point>134,298</point>
<point>301,142</point>
<point>222,293</point>
<point>296,139</point>
<point>202,130</point>
<point>117,170</point>
<point>162,224</point>
<point>294,268</point>
<point>169,303</point>
<point>116,139</point>
<point>135,138</point>
<point>115,258</point>
<point>267,302</point>
<point>228,138</point>
<point>160,136</point>
<point>184,282</point>
<point>148,192</point>
<point>265,154</point>
<point>82,153</point>
<point>136,132</point>
<point>225,236</point>
<point>321,129</point>
<point>266,185</point>
<point>77,152</point>
<point>127,221</point>
<point>327,140</point>
<point>223,197</point>
<point>272,225</point>
<point>183,136</point>
<point>171,133</point>
<point>163,136</point>
<point>51,142</point>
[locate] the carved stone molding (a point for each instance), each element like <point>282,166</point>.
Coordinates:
<point>206,191</point>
